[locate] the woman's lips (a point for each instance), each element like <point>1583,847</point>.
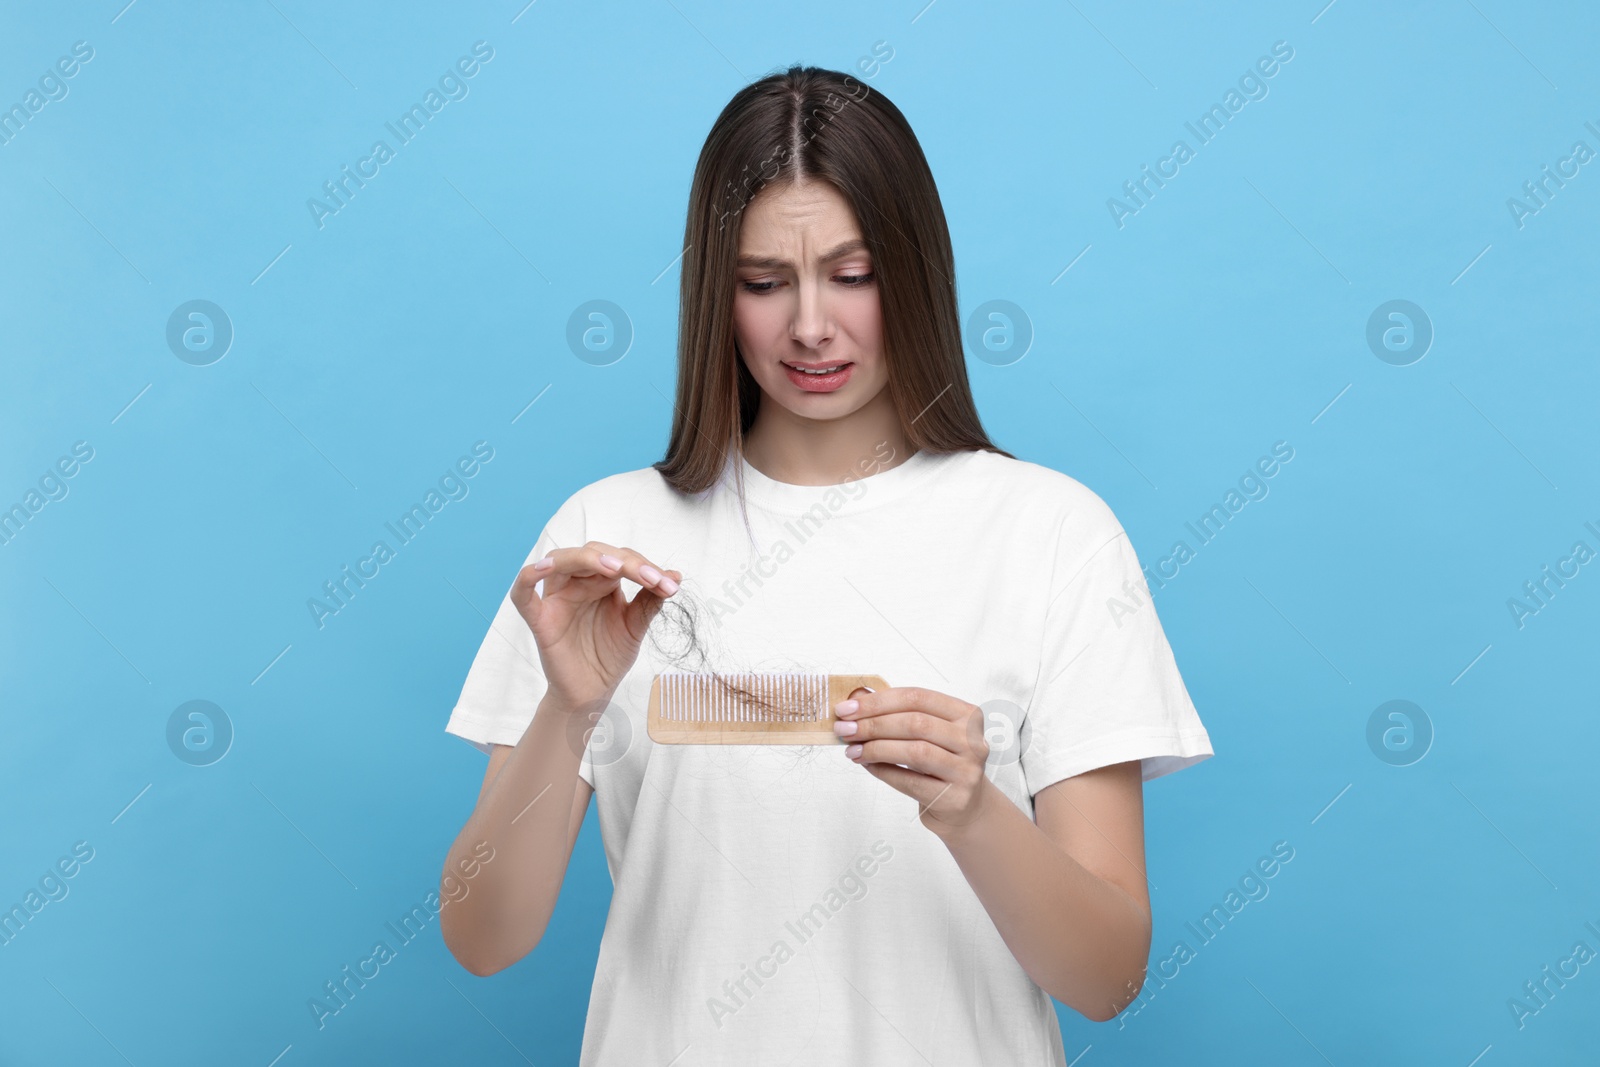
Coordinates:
<point>819,383</point>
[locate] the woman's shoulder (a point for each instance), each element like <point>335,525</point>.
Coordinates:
<point>1054,513</point>
<point>611,507</point>
<point>624,483</point>
<point>625,491</point>
<point>1045,491</point>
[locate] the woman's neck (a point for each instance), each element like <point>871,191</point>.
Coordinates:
<point>791,448</point>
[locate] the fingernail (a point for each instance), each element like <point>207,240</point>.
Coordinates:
<point>846,729</point>
<point>649,573</point>
<point>610,562</point>
<point>667,586</point>
<point>846,708</point>
<point>853,751</point>
<point>544,564</point>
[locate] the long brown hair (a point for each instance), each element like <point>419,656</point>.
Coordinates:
<point>808,123</point>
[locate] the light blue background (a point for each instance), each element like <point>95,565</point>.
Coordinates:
<point>1228,314</point>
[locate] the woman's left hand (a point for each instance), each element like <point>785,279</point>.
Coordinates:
<point>937,741</point>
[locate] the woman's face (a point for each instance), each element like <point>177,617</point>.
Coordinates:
<point>806,297</point>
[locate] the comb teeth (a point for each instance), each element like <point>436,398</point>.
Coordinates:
<point>755,697</point>
<point>758,708</point>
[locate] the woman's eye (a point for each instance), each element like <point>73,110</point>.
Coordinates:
<point>851,281</point>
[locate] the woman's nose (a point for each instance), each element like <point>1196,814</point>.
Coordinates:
<point>811,323</point>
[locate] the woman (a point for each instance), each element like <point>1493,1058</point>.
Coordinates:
<point>829,502</point>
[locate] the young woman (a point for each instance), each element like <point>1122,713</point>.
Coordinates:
<point>829,502</point>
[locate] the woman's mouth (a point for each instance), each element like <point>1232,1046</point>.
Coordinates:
<point>819,377</point>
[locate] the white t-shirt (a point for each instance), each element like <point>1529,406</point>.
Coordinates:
<point>779,904</point>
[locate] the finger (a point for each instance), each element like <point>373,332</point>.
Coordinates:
<point>902,698</point>
<point>598,559</point>
<point>556,569</point>
<point>593,560</point>
<point>596,564</point>
<point>908,726</point>
<point>922,756</point>
<point>639,570</point>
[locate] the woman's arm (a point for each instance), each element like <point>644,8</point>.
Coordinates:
<point>527,814</point>
<point>588,635</point>
<point>1068,894</point>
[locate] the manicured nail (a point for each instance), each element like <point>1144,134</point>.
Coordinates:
<point>846,729</point>
<point>853,751</point>
<point>667,586</point>
<point>649,574</point>
<point>544,564</point>
<point>610,563</point>
<point>846,708</point>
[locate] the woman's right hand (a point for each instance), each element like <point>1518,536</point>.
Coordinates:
<point>587,630</point>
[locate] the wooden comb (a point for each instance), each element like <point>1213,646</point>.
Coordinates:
<point>755,708</point>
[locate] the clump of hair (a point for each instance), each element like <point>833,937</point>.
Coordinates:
<point>676,633</point>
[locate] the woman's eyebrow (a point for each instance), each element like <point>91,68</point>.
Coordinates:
<point>773,263</point>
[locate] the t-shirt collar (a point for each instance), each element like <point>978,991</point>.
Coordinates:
<point>872,487</point>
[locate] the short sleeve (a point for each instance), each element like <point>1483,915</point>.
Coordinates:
<point>1109,689</point>
<point>506,681</point>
